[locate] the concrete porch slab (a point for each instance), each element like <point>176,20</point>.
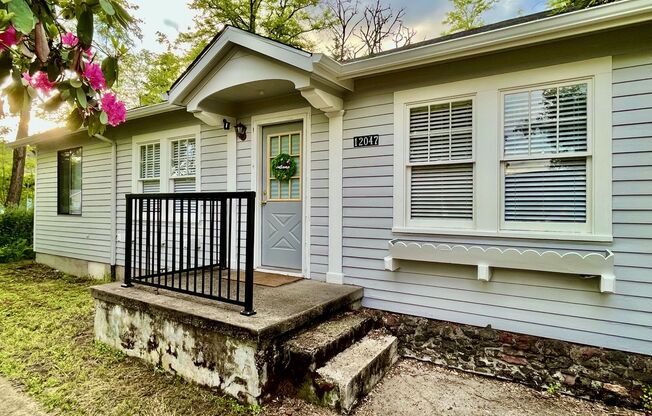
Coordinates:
<point>278,309</point>
<point>210,342</point>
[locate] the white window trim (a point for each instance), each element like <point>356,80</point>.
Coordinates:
<point>443,223</point>
<point>488,150</point>
<point>165,138</point>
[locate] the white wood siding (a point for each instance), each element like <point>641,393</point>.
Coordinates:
<point>319,196</point>
<point>543,304</point>
<point>86,237</point>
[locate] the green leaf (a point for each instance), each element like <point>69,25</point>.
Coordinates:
<point>110,70</point>
<point>5,64</point>
<point>75,83</point>
<point>5,19</point>
<point>16,96</point>
<point>23,18</point>
<point>85,28</point>
<point>74,120</point>
<point>54,70</point>
<point>104,118</point>
<point>81,98</point>
<point>53,103</point>
<point>106,6</point>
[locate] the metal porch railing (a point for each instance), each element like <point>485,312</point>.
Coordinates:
<point>201,244</point>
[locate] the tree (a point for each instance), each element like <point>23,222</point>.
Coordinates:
<point>346,18</point>
<point>467,14</point>
<point>162,70</point>
<point>570,5</point>
<point>287,21</point>
<point>354,32</point>
<point>48,63</point>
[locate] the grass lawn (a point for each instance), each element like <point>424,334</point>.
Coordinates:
<point>46,345</point>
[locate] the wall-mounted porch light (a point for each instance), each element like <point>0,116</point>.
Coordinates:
<point>241,131</point>
<point>227,125</point>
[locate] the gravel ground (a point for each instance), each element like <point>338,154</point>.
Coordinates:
<point>421,389</point>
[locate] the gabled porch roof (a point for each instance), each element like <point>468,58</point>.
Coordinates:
<point>238,65</point>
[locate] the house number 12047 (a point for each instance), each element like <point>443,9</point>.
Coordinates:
<point>363,141</point>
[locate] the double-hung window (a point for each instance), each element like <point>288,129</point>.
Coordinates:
<point>546,161</point>
<point>167,161</point>
<point>525,154</point>
<point>441,163</point>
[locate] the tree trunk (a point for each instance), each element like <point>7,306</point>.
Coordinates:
<point>18,166</point>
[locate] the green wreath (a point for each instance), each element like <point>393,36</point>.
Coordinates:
<point>283,167</point>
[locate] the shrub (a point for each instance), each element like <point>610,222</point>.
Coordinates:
<point>16,250</point>
<point>646,399</point>
<point>16,234</point>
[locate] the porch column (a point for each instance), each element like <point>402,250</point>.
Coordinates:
<point>334,274</point>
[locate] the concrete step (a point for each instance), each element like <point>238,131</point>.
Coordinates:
<point>350,375</point>
<point>313,347</point>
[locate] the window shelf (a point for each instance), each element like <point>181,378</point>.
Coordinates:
<point>586,265</point>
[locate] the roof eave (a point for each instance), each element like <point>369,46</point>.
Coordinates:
<point>62,132</point>
<point>554,27</point>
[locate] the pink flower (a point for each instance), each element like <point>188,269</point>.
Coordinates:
<point>114,108</point>
<point>93,73</point>
<point>9,37</point>
<point>70,40</point>
<point>39,81</point>
<point>88,52</point>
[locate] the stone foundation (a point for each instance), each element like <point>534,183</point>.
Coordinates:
<point>611,376</point>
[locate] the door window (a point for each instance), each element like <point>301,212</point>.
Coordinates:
<point>285,189</point>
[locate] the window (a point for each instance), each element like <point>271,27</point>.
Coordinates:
<point>182,165</point>
<point>150,167</point>
<point>289,189</point>
<point>167,161</point>
<point>69,181</point>
<point>441,162</point>
<point>524,154</point>
<point>545,158</point>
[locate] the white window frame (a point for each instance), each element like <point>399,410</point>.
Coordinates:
<point>488,151</point>
<point>581,228</point>
<point>165,138</point>
<point>443,223</point>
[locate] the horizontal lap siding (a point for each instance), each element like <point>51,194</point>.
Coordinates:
<point>213,159</point>
<point>549,305</point>
<point>86,237</point>
<point>319,196</point>
<point>124,182</point>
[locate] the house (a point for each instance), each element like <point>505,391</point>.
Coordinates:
<point>499,177</point>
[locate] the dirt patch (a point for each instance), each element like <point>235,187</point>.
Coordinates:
<point>414,388</point>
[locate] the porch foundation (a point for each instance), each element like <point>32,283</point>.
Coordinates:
<point>211,343</point>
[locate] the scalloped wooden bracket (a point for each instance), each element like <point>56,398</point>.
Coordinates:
<point>590,264</point>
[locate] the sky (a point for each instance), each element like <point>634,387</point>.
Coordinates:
<point>172,16</point>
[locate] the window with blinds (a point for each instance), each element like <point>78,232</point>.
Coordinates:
<point>150,161</point>
<point>441,161</point>
<point>545,160</point>
<point>183,158</point>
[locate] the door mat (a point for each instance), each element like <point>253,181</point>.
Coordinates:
<point>269,279</point>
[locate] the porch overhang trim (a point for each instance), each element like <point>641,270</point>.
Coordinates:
<point>231,36</point>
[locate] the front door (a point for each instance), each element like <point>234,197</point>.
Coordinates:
<point>282,197</point>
